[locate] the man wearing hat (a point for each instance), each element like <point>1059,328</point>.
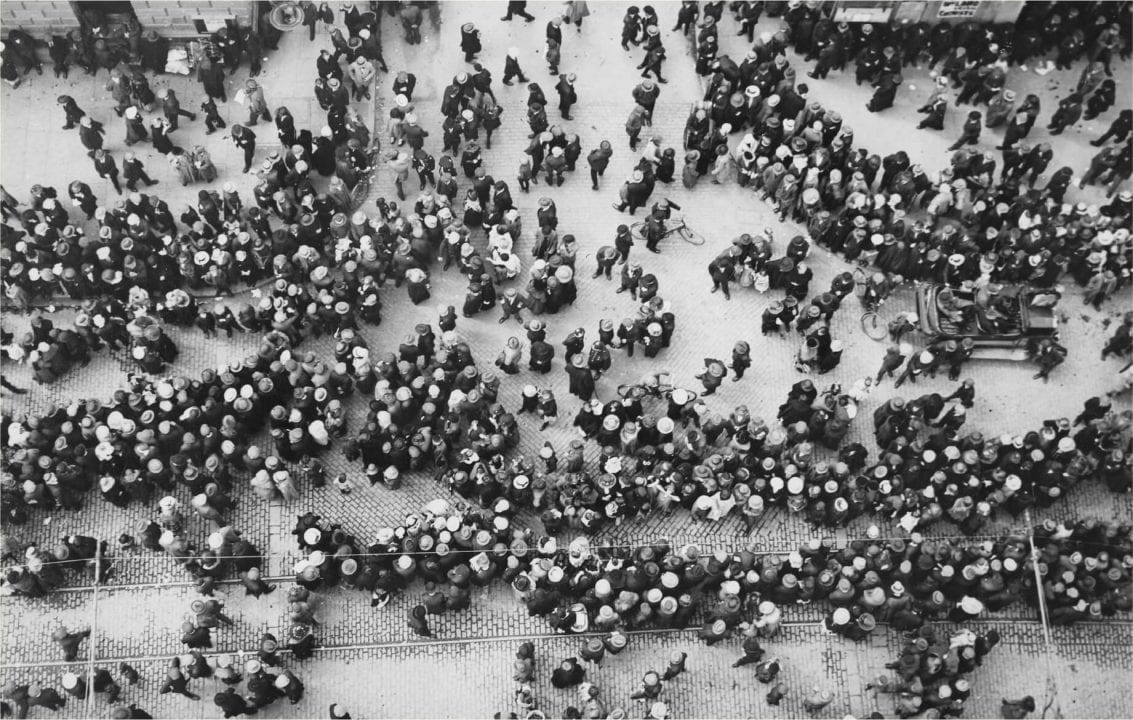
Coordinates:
<point>213,120</point>
<point>19,697</point>
<point>567,94</point>
<point>232,703</point>
<point>301,641</point>
<point>328,65</point>
<point>568,674</point>
<point>74,685</point>
<point>777,317</point>
<point>103,685</point>
<point>1017,709</point>
<point>654,58</point>
<point>46,697</point>
<point>713,375</point>
<point>1103,162</point>
<point>71,110</point>
<point>261,687</point>
<point>967,608</point>
<point>634,193</point>
<point>511,65</point>
<point>830,56</point>
<point>599,359</point>
<point>677,660</point>
<point>554,166</point>
<point>120,89</point>
<point>133,170</point>
<point>470,43</point>
<point>650,687</point>
<point>634,123</point>
<point>176,682</point>
<point>435,601</point>
<point>722,270</point>
<point>518,7</point>
<point>257,104</point>
<point>886,91</point>
<point>999,108</point>
<point>1048,354</point>
<point>105,166</point>
<point>645,95</point>
<point>69,642</point>
<point>171,108</point>
<point>935,108</point>
<point>362,75</point>
<point>417,620</point>
<point>290,685</point>
<point>970,133</point>
<point>753,653</point>
<point>1069,111</point>
<point>713,631</point>
<point>245,139</point>
<point>1118,130</point>
<point>90,134</point>
<point>1121,342</point>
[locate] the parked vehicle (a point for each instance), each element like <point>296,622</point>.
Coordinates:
<point>1000,319</point>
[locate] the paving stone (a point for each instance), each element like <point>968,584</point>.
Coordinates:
<point>476,676</point>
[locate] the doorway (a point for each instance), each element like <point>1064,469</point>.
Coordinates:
<point>99,14</point>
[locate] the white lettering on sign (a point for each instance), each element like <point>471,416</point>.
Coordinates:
<point>958,8</point>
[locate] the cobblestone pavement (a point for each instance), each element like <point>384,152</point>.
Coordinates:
<point>138,613</point>
<point>476,675</point>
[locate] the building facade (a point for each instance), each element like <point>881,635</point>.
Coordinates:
<point>930,11</point>
<point>171,18</point>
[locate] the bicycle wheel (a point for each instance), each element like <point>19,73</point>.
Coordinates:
<point>693,395</point>
<point>635,230</point>
<point>690,236</point>
<point>630,390</point>
<point>360,192</point>
<point>873,326</point>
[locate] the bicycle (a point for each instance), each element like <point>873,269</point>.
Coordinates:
<point>361,190</point>
<point>872,325</point>
<point>677,224</point>
<point>651,385</point>
<point>872,296</point>
<point>658,386</point>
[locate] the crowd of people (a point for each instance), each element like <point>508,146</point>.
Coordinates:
<point>1081,565</point>
<point>266,681</point>
<point>981,228</point>
<point>932,672</point>
<point>108,323</point>
<point>435,408</point>
<point>439,411</point>
<point>570,673</point>
<point>809,169</point>
<point>582,588</point>
<point>452,423</point>
<point>18,697</point>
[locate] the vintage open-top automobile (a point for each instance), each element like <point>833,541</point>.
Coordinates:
<point>1000,319</point>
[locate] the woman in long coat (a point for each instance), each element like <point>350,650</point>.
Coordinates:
<point>417,284</point>
<point>203,165</point>
<point>285,126</point>
<point>576,12</point>
<point>135,126</point>
<point>142,91</point>
<point>581,380</point>
<point>160,131</point>
<point>211,77</point>
<point>181,163</point>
